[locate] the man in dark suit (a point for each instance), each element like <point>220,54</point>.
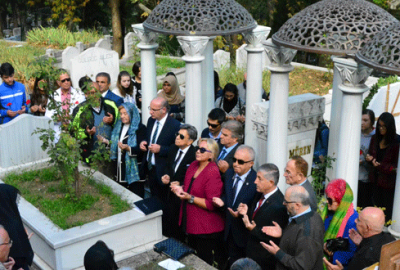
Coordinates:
<point>180,156</point>
<point>231,137</point>
<point>160,135</point>
<point>239,188</point>
<point>296,174</point>
<point>266,207</point>
<point>104,81</point>
<point>215,119</point>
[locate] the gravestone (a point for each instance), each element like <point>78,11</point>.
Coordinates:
<point>241,58</point>
<point>92,61</point>
<point>129,41</point>
<point>103,43</point>
<point>79,45</point>
<point>303,115</point>
<point>18,146</point>
<point>17,31</point>
<point>67,55</point>
<point>221,60</point>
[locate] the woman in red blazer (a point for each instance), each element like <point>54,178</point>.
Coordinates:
<point>199,219</point>
<point>383,155</point>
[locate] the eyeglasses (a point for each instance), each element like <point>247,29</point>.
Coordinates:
<point>330,201</point>
<point>287,202</point>
<point>203,150</point>
<point>154,110</point>
<point>212,125</point>
<point>9,243</point>
<point>181,136</point>
<point>66,80</point>
<point>240,161</point>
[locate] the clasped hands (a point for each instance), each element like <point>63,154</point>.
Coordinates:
<point>11,113</point>
<point>153,148</point>
<point>179,192</point>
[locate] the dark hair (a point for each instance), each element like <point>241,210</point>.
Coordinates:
<point>217,114</point>
<point>390,136</point>
<point>371,115</point>
<point>99,257</point>
<point>245,264</point>
<point>6,69</point>
<point>136,67</point>
<point>216,83</point>
<point>122,89</point>
<point>84,82</point>
<point>229,105</point>
<point>36,97</point>
<point>104,74</point>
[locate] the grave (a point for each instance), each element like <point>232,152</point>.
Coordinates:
<point>241,58</point>
<point>92,61</point>
<point>67,55</point>
<point>129,41</point>
<point>221,60</point>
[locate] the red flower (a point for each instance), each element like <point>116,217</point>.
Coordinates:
<point>28,102</point>
<point>9,104</point>
<point>361,152</point>
<point>76,102</point>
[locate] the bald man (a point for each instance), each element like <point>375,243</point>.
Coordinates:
<point>301,245</point>
<point>369,238</point>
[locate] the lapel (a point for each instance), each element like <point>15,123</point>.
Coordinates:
<point>243,191</point>
<point>187,158</point>
<point>271,200</point>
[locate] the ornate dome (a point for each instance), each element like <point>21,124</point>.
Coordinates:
<point>383,51</point>
<point>338,27</point>
<point>199,18</point>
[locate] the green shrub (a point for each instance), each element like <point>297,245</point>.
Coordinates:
<point>60,38</point>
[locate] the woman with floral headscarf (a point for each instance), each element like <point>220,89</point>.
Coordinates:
<point>172,94</point>
<point>339,217</point>
<point>125,152</point>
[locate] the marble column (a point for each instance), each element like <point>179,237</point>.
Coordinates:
<point>147,48</point>
<point>254,90</point>
<point>394,229</point>
<point>193,47</point>
<point>280,67</point>
<point>334,123</point>
<point>353,76</point>
<point>207,67</point>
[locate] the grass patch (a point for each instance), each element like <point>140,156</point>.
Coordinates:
<point>44,189</point>
<point>164,64</point>
<point>60,38</point>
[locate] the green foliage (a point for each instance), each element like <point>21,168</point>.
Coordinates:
<point>163,64</point>
<point>319,177</point>
<point>60,38</point>
<point>374,89</point>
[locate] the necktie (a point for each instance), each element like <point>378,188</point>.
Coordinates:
<point>177,160</point>
<point>153,140</point>
<point>234,188</point>
<point>222,155</point>
<point>259,206</point>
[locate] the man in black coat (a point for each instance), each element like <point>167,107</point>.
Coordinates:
<point>266,207</point>
<point>239,188</point>
<point>181,155</point>
<point>160,135</point>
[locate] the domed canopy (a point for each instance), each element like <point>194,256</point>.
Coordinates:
<point>199,18</point>
<point>338,27</point>
<point>383,51</point>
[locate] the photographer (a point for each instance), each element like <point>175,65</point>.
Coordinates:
<point>339,217</point>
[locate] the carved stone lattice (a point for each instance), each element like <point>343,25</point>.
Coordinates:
<point>338,27</point>
<point>199,18</point>
<point>383,51</point>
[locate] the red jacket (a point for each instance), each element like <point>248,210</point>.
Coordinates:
<point>207,185</point>
<point>384,175</point>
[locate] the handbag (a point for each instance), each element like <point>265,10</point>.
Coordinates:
<point>173,248</point>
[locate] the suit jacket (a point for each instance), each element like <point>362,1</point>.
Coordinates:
<point>271,210</point>
<point>313,199</point>
<point>246,196</point>
<point>206,134</point>
<point>188,158</point>
<point>117,99</point>
<point>165,140</point>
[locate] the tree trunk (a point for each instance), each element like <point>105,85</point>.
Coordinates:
<point>77,177</point>
<point>116,26</point>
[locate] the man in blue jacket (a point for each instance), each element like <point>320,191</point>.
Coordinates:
<point>104,81</point>
<point>12,95</point>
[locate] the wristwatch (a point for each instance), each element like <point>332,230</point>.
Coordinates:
<point>191,200</point>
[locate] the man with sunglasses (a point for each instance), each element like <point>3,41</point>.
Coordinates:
<point>215,119</point>
<point>239,188</point>
<point>180,156</point>
<point>301,245</point>
<point>160,135</point>
<point>66,97</point>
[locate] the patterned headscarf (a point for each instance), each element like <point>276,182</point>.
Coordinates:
<point>131,167</point>
<point>174,97</point>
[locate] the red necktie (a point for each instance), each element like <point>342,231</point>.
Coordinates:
<point>259,206</point>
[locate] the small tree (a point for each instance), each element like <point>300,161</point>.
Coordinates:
<point>66,153</point>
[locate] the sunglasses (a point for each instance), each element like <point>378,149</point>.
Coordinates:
<point>66,80</point>
<point>330,201</point>
<point>212,125</point>
<point>203,150</point>
<point>180,135</point>
<point>240,161</point>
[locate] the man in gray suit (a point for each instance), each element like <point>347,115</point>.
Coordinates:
<point>296,174</point>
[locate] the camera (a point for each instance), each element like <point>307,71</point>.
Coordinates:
<point>337,244</point>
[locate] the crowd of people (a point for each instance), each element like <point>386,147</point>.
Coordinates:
<point>213,199</point>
